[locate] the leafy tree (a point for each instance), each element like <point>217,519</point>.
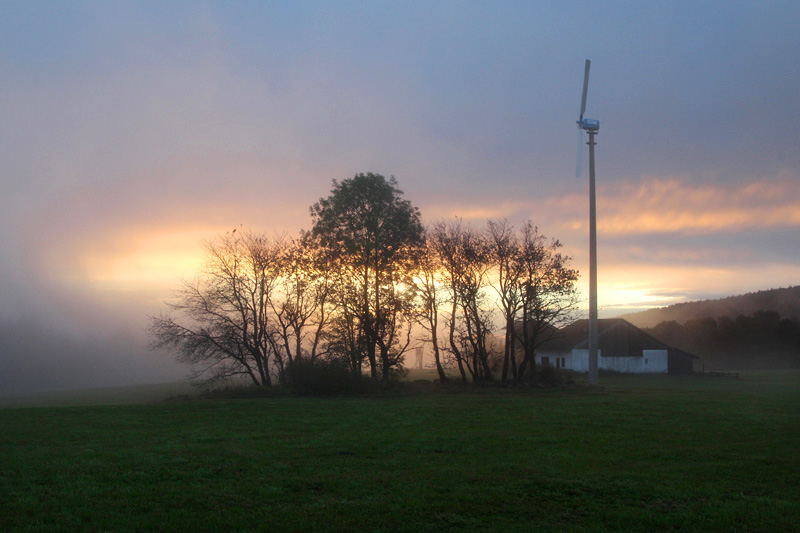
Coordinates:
<point>375,237</point>
<point>345,340</point>
<point>670,332</point>
<point>548,295</point>
<point>761,340</point>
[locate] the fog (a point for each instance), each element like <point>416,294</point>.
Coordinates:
<point>131,132</point>
<point>35,357</point>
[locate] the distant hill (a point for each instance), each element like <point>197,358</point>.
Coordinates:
<point>755,331</point>
<point>786,302</point>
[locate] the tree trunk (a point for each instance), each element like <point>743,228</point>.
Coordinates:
<point>453,345</point>
<point>508,349</point>
<point>437,357</point>
<point>385,365</point>
<point>373,363</point>
<point>513,364</point>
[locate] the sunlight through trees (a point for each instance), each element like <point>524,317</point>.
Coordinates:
<point>366,284</point>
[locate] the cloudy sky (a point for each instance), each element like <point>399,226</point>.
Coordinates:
<point>130,131</point>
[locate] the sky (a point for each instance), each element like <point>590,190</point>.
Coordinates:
<point>132,131</point>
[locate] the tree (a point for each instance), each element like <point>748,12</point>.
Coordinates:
<point>548,294</point>
<point>345,340</point>
<point>429,279</point>
<point>375,238</point>
<point>301,307</point>
<point>506,254</point>
<point>465,262</point>
<point>471,282</point>
<point>221,323</point>
<point>534,286</point>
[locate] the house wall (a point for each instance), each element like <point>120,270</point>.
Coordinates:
<point>580,360</point>
<point>553,359</point>
<point>577,360</point>
<point>650,362</point>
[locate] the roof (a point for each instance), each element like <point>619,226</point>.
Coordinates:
<point>616,337</point>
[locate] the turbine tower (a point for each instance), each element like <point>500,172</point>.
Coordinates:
<point>592,127</point>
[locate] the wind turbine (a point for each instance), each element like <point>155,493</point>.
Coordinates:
<point>592,127</point>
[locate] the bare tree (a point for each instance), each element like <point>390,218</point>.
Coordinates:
<point>534,286</point>
<point>506,256</point>
<point>302,307</point>
<point>429,279</point>
<point>221,322</point>
<point>464,258</point>
<point>476,312</point>
<point>446,239</point>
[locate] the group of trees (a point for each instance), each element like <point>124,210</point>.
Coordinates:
<point>366,283</point>
<point>472,280</point>
<point>763,339</point>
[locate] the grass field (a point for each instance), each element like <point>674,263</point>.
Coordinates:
<point>133,394</point>
<point>636,453</point>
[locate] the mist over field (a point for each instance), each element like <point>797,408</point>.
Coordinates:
<point>131,132</point>
<point>36,357</point>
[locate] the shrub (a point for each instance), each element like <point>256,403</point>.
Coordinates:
<point>549,375</point>
<point>322,377</point>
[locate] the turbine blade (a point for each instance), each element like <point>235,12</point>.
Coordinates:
<point>585,89</point>
<point>580,153</point>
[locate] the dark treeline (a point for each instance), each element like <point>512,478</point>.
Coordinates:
<point>761,340</point>
<point>785,301</point>
<point>367,283</point>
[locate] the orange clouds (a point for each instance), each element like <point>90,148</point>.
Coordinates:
<point>665,240</point>
<point>652,205</point>
<point>143,234</point>
<point>674,205</point>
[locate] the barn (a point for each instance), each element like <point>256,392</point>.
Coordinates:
<point>622,347</point>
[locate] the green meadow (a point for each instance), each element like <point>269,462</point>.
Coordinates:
<point>635,453</point>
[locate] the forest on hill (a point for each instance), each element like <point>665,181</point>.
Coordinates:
<point>760,330</point>
<point>785,302</point>
<point>761,341</point>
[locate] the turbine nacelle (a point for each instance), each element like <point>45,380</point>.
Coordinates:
<point>590,125</point>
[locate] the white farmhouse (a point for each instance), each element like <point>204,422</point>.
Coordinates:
<point>622,347</point>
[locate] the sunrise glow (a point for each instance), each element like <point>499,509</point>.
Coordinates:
<point>129,139</point>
